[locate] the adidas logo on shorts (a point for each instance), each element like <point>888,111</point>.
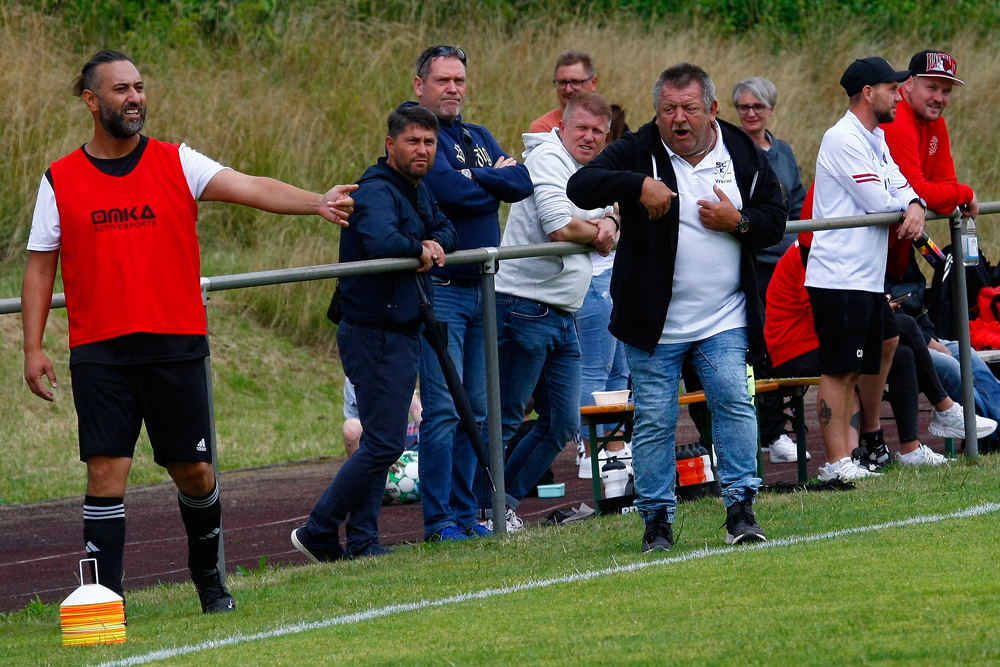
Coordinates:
<point>201,446</point>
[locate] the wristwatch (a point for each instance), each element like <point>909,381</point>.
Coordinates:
<point>919,200</point>
<point>744,224</point>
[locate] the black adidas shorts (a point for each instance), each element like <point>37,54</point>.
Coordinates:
<point>851,326</point>
<point>112,402</point>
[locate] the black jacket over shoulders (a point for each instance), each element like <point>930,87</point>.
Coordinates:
<point>642,282</point>
<point>391,219</point>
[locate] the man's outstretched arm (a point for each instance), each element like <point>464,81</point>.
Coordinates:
<point>274,196</point>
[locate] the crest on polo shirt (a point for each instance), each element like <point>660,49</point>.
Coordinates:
<point>933,146</point>
<point>724,173</point>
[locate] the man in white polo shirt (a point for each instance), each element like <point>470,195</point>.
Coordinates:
<point>697,200</point>
<point>855,175</point>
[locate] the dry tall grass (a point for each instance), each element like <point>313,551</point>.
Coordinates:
<point>314,113</point>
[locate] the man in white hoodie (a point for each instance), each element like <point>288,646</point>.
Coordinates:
<point>537,296</point>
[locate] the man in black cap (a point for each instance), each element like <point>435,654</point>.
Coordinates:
<point>856,175</point>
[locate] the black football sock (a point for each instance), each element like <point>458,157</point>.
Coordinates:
<point>203,522</point>
<point>104,538</point>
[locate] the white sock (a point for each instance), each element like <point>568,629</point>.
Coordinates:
<point>955,407</point>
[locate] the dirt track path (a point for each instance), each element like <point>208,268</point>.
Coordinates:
<point>42,542</point>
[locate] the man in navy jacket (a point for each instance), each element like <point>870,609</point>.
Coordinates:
<point>378,337</point>
<point>697,199</point>
<point>469,180</point>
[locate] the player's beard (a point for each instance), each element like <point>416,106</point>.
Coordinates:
<point>115,123</point>
<point>885,115</point>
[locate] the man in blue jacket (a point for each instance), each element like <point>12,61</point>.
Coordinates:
<point>469,180</point>
<point>697,199</point>
<point>394,216</point>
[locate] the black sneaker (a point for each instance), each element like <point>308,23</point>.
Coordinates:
<point>741,524</point>
<point>871,452</point>
<point>317,553</point>
<point>659,536</point>
<point>215,597</point>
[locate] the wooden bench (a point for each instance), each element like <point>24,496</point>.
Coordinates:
<point>620,417</point>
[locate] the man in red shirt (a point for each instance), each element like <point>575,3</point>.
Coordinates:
<point>120,213</point>
<point>918,137</point>
<point>575,71</point>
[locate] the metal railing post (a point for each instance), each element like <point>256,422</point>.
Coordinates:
<point>221,562</point>
<point>960,291</point>
<point>489,269</point>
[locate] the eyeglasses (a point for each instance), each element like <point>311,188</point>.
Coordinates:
<point>744,109</point>
<point>442,51</point>
<point>574,84</point>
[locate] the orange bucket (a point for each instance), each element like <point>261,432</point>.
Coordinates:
<point>697,470</point>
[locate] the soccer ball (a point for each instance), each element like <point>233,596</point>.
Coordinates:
<point>404,485</point>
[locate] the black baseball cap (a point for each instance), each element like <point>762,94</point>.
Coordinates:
<point>868,72</point>
<point>935,63</point>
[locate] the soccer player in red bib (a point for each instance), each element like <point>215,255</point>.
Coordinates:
<point>121,212</point>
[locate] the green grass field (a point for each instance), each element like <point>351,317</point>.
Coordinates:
<point>888,590</point>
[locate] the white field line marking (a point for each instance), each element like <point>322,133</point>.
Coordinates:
<point>389,610</point>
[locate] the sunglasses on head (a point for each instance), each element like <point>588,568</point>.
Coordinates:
<point>442,51</point>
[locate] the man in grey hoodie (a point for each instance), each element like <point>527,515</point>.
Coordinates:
<point>537,296</point>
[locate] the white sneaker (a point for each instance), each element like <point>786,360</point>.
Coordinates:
<point>921,456</point>
<point>845,469</point>
<point>581,449</point>
<point>784,450</point>
<point>620,454</point>
<point>951,424</point>
<point>585,471</point>
<point>514,522</point>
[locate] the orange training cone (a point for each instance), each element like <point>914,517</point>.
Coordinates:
<point>92,614</point>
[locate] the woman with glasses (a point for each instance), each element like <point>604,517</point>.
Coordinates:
<point>754,99</point>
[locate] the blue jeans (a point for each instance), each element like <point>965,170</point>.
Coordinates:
<point>447,460</point>
<point>603,363</point>
<point>721,364</point>
<point>987,388</point>
<point>540,357</point>
<point>382,365</point>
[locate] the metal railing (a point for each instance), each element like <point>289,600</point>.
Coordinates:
<point>487,258</point>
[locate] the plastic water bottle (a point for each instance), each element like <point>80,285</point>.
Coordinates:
<point>970,244</point>
<point>615,476</point>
